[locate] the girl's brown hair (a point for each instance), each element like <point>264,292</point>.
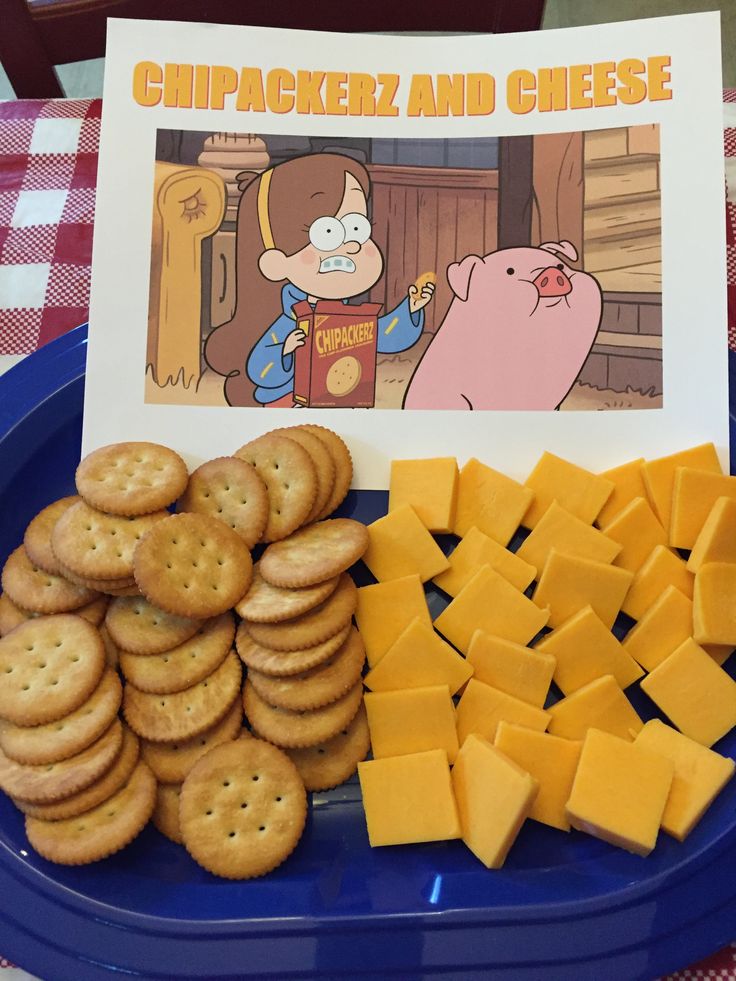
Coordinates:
<point>301,190</point>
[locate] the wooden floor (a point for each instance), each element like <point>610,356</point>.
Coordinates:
<point>84,79</point>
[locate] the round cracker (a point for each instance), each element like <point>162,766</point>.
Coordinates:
<point>242,809</point>
<point>193,565</point>
<point>132,590</point>
<point>324,466</point>
<point>313,627</point>
<point>183,715</point>
<point>185,665</point>
<point>112,654</point>
<point>37,591</point>
<point>315,553</point>
<point>137,626</point>
<point>289,475</point>
<point>343,466</point>
<point>131,478</point>
<point>317,687</point>
<point>11,616</point>
<point>53,781</point>
<point>95,611</point>
<point>69,735</point>
<point>285,663</point>
<point>48,666</point>
<point>37,539</point>
<point>165,815</point>
<point>297,729</point>
<point>102,789</point>
<point>329,764</point>
<point>101,831</point>
<point>99,585</point>
<point>171,762</point>
<point>232,491</point>
<point>99,546</point>
<point>264,603</point>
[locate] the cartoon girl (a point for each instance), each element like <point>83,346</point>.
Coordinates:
<point>303,223</point>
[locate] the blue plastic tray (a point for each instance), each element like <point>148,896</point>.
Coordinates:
<point>564,907</point>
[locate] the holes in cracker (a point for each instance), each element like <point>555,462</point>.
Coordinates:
<point>231,834</point>
<point>262,827</point>
<point>244,805</point>
<point>225,783</point>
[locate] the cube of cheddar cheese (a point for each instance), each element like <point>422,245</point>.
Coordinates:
<point>400,545</point>
<point>551,760</point>
<point>662,569</point>
<point>716,541</point>
<point>559,529</point>
<point>516,670</point>
<point>482,707</point>
<point>694,693</point>
<point>601,705</point>
<point>430,487</point>
<point>411,721</point>
<point>659,476</point>
<point>494,796</point>
<point>627,484</point>
<point>386,609</point>
<point>419,657</point>
<point>714,604</point>
<point>490,501</point>
<point>637,530</point>
<point>409,799</point>
<point>585,649</point>
<point>700,775</point>
<point>664,626</point>
<point>694,492</point>
<point>568,583</point>
<point>619,792</point>
<point>488,602</point>
<point>579,491</point>
<point>476,549</point>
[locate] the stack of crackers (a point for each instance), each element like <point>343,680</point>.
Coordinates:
<point>113,579</point>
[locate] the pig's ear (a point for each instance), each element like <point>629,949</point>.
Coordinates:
<point>459,273</point>
<point>561,248</point>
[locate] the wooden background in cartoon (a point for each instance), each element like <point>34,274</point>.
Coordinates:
<point>435,201</point>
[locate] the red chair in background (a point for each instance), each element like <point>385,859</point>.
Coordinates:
<point>38,34</point>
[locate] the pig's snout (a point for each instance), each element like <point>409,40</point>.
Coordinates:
<point>553,282</point>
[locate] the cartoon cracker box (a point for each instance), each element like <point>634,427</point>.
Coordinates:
<point>336,366</point>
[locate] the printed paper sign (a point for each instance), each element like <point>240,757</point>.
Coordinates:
<point>480,249</point>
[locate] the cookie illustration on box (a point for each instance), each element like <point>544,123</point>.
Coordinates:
<point>304,250</point>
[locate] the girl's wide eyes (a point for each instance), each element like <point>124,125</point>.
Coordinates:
<point>357,228</point>
<point>326,234</point>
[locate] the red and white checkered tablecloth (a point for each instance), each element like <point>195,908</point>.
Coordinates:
<point>48,176</point>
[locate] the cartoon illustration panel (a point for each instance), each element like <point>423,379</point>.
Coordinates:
<point>500,273</point>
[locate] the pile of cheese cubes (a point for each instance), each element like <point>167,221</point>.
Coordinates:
<point>463,746</point>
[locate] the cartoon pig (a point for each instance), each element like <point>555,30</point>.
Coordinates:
<point>516,335</point>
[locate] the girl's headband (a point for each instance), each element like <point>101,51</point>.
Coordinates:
<point>263,221</point>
